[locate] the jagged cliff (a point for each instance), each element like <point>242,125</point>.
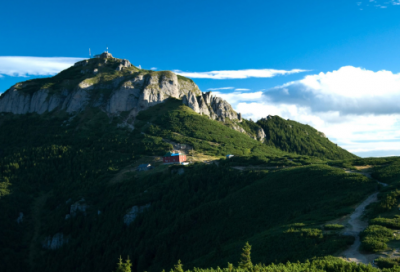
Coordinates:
<point>214,107</point>
<point>218,109</point>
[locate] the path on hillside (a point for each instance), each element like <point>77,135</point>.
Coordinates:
<point>357,225</point>
<point>37,207</point>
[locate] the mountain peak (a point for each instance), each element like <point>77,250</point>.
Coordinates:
<point>113,85</point>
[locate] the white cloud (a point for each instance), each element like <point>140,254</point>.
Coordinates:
<point>239,74</point>
<point>24,66</point>
<point>356,108</point>
<point>242,89</point>
<point>153,68</point>
<point>222,88</point>
<point>235,98</point>
<point>379,3</point>
<point>349,90</point>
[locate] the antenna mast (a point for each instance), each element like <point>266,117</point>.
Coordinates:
<point>90,54</point>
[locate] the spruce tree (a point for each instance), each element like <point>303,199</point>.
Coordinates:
<point>230,267</point>
<point>245,261</point>
<point>178,267</point>
<point>120,265</point>
<point>124,267</point>
<point>127,265</point>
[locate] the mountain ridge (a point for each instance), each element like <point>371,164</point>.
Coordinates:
<point>118,88</point>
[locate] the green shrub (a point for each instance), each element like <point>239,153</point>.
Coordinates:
<point>382,262</point>
<point>333,227</point>
<point>375,237</point>
<point>386,222</point>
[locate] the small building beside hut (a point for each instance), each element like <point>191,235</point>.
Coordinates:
<point>174,157</point>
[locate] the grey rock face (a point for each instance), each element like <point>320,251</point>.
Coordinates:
<point>20,218</point>
<point>54,242</point>
<point>18,102</point>
<point>238,128</point>
<point>261,134</point>
<point>190,100</point>
<point>214,107</point>
<point>145,91</point>
<point>203,106</point>
<point>127,94</point>
<point>134,212</point>
<point>124,64</point>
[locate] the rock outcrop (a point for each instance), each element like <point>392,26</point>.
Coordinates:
<point>54,242</point>
<point>214,107</point>
<point>261,134</point>
<point>132,90</point>
<point>134,212</point>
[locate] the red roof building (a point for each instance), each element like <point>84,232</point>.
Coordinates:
<point>174,157</point>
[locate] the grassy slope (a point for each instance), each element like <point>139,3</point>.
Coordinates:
<point>302,139</point>
<point>179,123</point>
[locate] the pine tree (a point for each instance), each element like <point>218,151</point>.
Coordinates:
<point>245,262</point>
<point>230,267</point>
<point>120,265</point>
<point>124,267</point>
<point>127,265</point>
<point>178,267</point>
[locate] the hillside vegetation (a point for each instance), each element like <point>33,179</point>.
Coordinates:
<point>57,160</point>
<point>179,123</point>
<point>291,136</point>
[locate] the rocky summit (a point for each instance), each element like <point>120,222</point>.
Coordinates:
<point>115,86</point>
<point>104,81</point>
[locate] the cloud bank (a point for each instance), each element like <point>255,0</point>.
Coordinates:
<point>35,66</point>
<point>354,107</point>
<point>239,74</point>
<point>349,90</point>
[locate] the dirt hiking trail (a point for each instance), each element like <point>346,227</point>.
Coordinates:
<point>356,226</point>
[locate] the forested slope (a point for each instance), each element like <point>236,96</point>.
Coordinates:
<point>203,216</point>
<point>291,136</point>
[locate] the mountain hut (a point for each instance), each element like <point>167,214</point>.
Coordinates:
<point>174,157</point>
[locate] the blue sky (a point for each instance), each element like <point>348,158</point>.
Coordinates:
<point>350,42</point>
